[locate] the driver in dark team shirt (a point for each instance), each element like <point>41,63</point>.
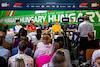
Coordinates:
<point>72,28</point>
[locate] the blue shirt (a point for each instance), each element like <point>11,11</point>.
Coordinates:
<point>8,40</point>
<point>44,27</point>
<point>15,51</point>
<point>71,26</point>
<point>4,52</point>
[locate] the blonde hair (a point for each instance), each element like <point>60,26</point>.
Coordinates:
<point>19,62</point>
<point>46,39</point>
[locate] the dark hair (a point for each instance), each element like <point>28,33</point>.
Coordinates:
<point>38,36</point>
<point>22,32</point>
<point>5,27</point>
<point>91,36</point>
<point>31,21</point>
<point>60,39</point>
<point>61,44</point>
<point>1,41</point>
<point>39,31</point>
<point>17,21</point>
<point>4,31</point>
<point>22,45</point>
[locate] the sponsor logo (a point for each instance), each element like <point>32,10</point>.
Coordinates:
<point>94,5</point>
<point>17,5</point>
<point>42,6</point>
<point>73,6</point>
<point>83,5</point>
<point>3,5</point>
<point>69,6</point>
<point>27,6</point>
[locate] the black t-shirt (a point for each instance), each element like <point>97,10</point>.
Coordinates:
<point>3,62</point>
<point>93,44</point>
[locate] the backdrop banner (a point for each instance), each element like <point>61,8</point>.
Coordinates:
<point>9,16</point>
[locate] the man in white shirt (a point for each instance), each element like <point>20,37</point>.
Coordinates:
<point>17,27</point>
<point>83,29</point>
<point>21,55</point>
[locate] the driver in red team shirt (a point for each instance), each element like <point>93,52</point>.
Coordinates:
<point>31,27</point>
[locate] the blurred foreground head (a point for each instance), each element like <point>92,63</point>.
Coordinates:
<point>19,63</point>
<point>46,39</point>
<point>22,46</point>
<point>58,60</point>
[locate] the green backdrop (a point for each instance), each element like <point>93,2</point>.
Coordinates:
<point>9,17</point>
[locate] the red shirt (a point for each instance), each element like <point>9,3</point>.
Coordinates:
<point>31,27</point>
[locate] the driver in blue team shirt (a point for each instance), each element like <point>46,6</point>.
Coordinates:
<point>72,28</point>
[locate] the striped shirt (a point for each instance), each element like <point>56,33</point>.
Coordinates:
<point>41,51</point>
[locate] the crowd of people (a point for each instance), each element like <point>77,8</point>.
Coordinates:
<point>42,49</point>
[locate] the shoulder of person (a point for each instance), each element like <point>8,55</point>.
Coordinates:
<point>96,52</point>
<point>45,65</point>
<point>14,26</point>
<point>11,58</point>
<point>6,43</point>
<point>64,50</point>
<point>29,57</point>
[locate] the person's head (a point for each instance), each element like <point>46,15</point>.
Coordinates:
<point>17,22</point>
<point>31,23</point>
<point>91,35</point>
<point>19,63</point>
<point>1,41</point>
<point>97,62</point>
<point>56,22</point>
<point>72,21</point>
<point>3,33</point>
<point>58,59</point>
<point>46,39</point>
<point>53,48</point>
<point>86,17</point>
<point>45,23</point>
<point>5,27</point>
<point>23,35</point>
<point>22,46</point>
<point>22,32</point>
<point>61,44</point>
<point>39,32</point>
